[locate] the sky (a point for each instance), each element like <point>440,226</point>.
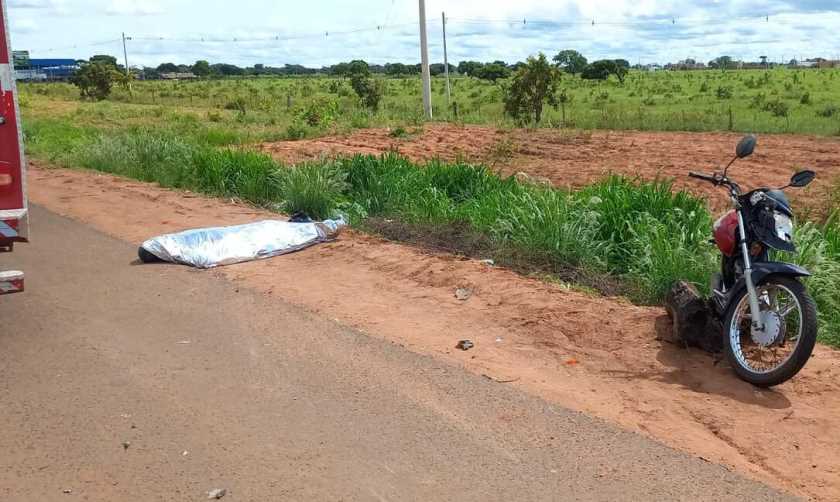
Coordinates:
<point>322,32</point>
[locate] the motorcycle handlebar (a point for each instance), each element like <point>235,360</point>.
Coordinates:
<point>704,177</point>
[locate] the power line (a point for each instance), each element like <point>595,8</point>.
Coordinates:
<point>278,38</point>
<point>664,21</point>
<point>77,46</point>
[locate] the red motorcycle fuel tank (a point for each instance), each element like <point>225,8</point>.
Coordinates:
<point>726,228</point>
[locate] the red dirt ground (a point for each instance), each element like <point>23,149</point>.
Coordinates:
<point>598,355</point>
<point>570,158</point>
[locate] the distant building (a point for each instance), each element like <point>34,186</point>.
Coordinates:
<point>178,76</point>
<point>45,69</point>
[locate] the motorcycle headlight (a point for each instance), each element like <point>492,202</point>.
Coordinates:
<point>784,226</point>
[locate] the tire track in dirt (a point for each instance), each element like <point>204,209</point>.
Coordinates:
<point>599,355</point>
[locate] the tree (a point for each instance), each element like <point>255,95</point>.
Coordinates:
<point>167,68</point>
<point>492,72</point>
<point>533,85</point>
<point>602,69</point>
<point>224,69</point>
<point>396,69</point>
<point>367,88</point>
<point>104,59</point>
<point>722,63</point>
<point>469,67</point>
<point>570,61</point>
<point>201,68</point>
<point>95,80</point>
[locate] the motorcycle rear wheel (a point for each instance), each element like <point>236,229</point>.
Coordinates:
<point>790,314</point>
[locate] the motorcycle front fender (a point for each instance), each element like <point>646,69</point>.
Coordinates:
<point>760,271</point>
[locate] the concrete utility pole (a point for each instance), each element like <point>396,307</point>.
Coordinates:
<point>446,62</point>
<point>125,55</point>
<point>127,70</point>
<point>424,62</point>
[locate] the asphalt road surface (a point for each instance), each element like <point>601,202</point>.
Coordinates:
<point>121,381</point>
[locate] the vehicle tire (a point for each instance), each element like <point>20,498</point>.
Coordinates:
<point>803,349</point>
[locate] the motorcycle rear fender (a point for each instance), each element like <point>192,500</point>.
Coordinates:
<point>760,271</point>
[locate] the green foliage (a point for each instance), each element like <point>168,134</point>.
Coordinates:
<point>601,70</point>
<point>314,189</point>
<point>368,89</point>
<point>828,111</point>
<point>533,85</point>
<point>723,92</point>
<point>570,61</point>
<point>319,112</point>
<point>201,68</point>
<point>492,72</point>
<point>641,233</point>
<point>95,79</point>
<point>777,108</point>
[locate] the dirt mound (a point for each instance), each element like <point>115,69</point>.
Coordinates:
<point>574,158</point>
<point>595,354</point>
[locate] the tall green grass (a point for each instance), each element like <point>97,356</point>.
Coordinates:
<point>641,233</point>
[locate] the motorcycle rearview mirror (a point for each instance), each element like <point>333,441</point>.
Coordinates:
<point>746,146</point>
<point>744,149</point>
<point>802,179</point>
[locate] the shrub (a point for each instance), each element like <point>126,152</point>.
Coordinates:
<point>828,111</point>
<point>237,104</point>
<point>534,84</point>
<point>777,108</point>
<point>318,112</point>
<point>723,92</point>
<point>314,189</point>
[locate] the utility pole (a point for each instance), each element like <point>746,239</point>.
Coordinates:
<point>125,56</point>
<point>424,62</point>
<point>446,62</point>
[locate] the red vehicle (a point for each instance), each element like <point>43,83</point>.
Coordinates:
<point>769,319</point>
<point>13,209</point>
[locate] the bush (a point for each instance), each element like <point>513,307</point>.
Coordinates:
<point>318,112</point>
<point>828,111</point>
<point>95,80</point>
<point>723,92</point>
<point>534,84</point>
<point>368,89</point>
<point>777,108</point>
<point>314,189</point>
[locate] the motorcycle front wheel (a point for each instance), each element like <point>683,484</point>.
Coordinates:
<point>790,318</point>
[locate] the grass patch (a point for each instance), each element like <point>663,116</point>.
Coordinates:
<point>617,236</point>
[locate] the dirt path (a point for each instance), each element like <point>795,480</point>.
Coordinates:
<point>570,158</point>
<point>123,382</point>
<point>593,354</point>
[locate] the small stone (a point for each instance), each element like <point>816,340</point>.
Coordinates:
<point>216,494</point>
<point>465,345</point>
<point>68,491</point>
<point>488,262</point>
<point>126,444</point>
<point>463,294</point>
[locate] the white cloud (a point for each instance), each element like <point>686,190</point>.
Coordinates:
<point>134,8</point>
<point>632,29</point>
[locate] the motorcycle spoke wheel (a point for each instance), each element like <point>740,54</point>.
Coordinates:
<point>784,315</point>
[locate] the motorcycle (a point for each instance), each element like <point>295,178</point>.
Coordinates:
<point>769,320</point>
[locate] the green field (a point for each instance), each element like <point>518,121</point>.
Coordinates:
<point>774,101</point>
<point>618,236</point>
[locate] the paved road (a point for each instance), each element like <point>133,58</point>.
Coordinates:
<point>121,381</point>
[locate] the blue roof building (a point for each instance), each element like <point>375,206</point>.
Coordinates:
<point>52,68</point>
